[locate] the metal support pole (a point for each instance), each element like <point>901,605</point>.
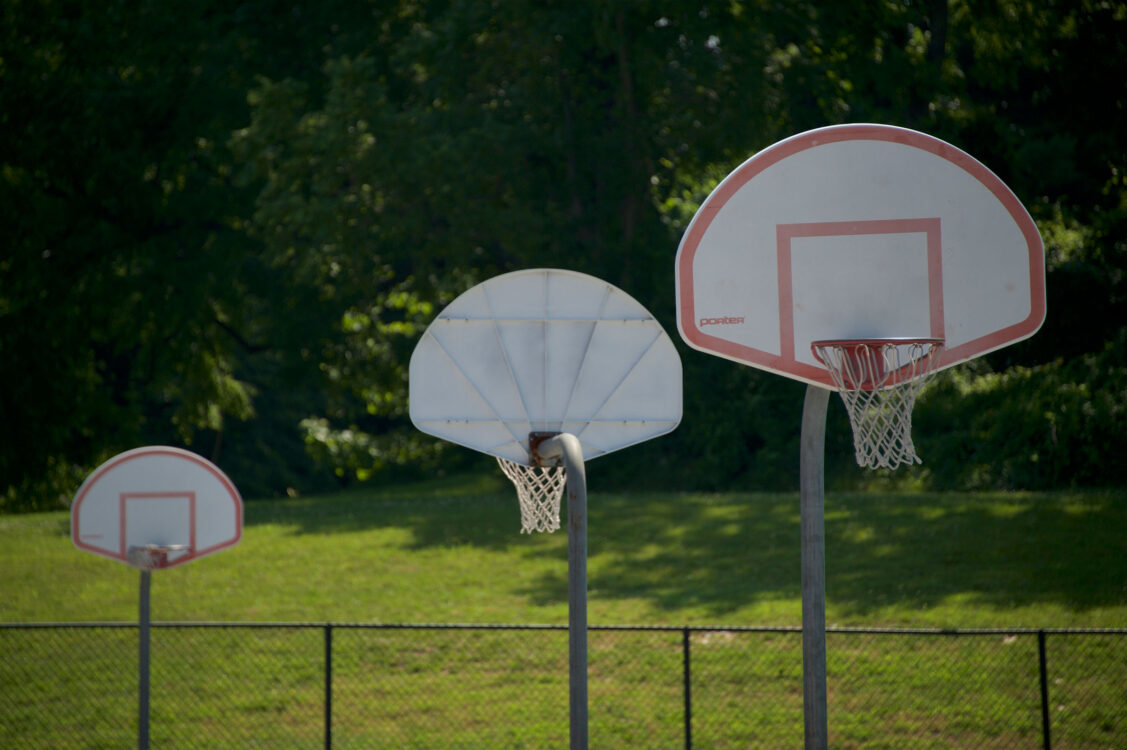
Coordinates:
<point>143,663</point>
<point>568,447</point>
<point>812,480</point>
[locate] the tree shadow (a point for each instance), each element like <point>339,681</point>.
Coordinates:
<point>1005,550</point>
<point>478,509</point>
<point>720,553</point>
<point>717,553</point>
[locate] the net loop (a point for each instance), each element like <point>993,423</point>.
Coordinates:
<point>540,490</point>
<point>879,380</point>
<point>152,556</point>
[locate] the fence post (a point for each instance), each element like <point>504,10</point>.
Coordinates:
<point>1045,731</point>
<point>686,640</point>
<point>328,685</point>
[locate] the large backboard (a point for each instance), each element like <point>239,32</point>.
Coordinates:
<point>157,495</point>
<point>858,232</point>
<point>545,350</point>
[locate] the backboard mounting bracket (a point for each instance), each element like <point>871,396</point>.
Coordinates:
<point>535,438</point>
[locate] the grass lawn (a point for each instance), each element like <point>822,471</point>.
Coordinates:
<point>450,551</point>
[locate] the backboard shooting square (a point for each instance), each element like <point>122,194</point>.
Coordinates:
<point>863,267</point>
<point>161,518</point>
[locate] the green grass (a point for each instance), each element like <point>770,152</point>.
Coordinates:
<point>450,551</point>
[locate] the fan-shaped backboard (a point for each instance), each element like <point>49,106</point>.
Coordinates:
<point>545,350</point>
<point>157,495</point>
<point>858,232</point>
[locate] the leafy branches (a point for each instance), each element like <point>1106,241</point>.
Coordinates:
<point>228,224</point>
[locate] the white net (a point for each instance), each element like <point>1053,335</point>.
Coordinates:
<point>878,382</point>
<point>539,490</point>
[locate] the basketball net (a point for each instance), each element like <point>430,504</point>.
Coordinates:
<point>539,489</point>
<point>878,381</point>
<point>152,556</point>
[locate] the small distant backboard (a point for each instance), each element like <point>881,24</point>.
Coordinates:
<point>157,496</point>
<point>858,232</point>
<point>545,350</point>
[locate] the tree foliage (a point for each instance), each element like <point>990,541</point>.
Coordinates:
<point>228,223</point>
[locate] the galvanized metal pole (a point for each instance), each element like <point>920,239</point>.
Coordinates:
<point>143,663</point>
<point>568,447</point>
<point>812,479</point>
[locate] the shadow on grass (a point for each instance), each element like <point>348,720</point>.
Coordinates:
<point>474,509</point>
<point>911,551</point>
<point>721,552</point>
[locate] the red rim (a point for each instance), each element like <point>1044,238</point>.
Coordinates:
<point>852,345</point>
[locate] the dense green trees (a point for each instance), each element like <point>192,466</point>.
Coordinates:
<point>227,223</point>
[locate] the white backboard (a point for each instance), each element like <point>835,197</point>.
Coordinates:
<point>545,350</point>
<point>157,495</point>
<point>858,232</point>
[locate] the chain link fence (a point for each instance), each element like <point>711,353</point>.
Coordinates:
<point>304,685</point>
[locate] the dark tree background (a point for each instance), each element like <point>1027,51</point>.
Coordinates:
<point>226,224</point>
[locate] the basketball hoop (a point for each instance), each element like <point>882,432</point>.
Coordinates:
<point>539,489</point>
<point>153,556</point>
<point>878,380</point>
<point>540,486</point>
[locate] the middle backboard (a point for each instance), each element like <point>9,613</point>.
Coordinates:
<point>545,350</point>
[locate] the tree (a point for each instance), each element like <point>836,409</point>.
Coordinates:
<point>227,224</point>
<point>489,137</point>
<point>132,306</point>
